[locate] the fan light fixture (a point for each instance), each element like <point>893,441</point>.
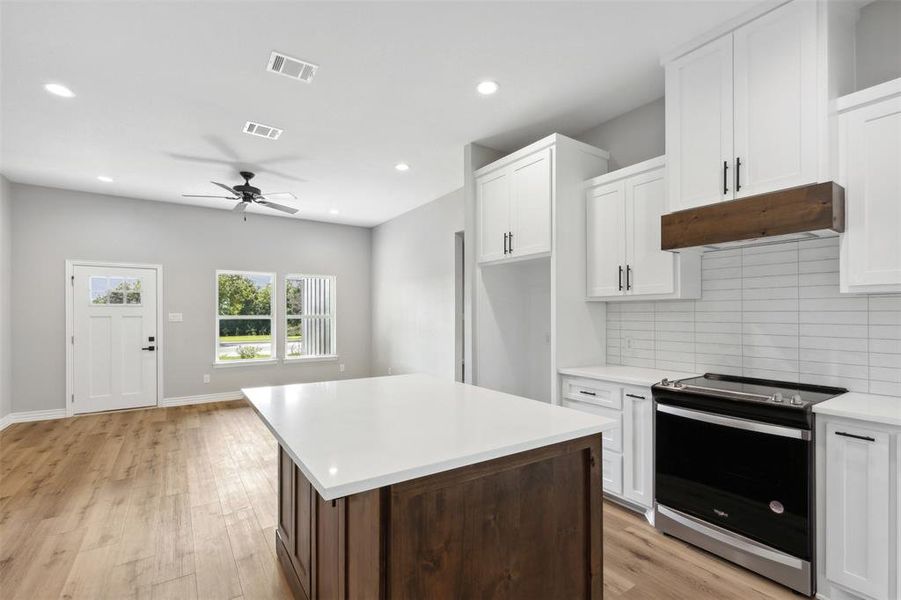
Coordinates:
<point>402,166</point>
<point>104,179</point>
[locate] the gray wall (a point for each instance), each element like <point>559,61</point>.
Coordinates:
<point>878,52</point>
<point>631,137</point>
<point>53,225</point>
<point>413,301</point>
<point>5,285</point>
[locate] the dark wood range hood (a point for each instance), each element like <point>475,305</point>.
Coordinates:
<point>815,210</point>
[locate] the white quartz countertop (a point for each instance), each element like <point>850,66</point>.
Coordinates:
<point>355,435</point>
<point>626,375</point>
<point>865,407</point>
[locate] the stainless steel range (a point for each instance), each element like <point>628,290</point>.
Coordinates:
<point>735,471</point>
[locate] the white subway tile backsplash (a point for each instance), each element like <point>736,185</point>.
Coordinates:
<point>773,312</point>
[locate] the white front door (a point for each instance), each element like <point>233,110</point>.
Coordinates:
<point>115,338</point>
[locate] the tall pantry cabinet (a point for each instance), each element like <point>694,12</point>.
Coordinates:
<point>531,317</point>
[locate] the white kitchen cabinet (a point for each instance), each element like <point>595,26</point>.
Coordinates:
<point>638,446</point>
<point>775,110</point>
<point>515,208</point>
<point>624,259</point>
<point>870,155</point>
<point>747,110</point>
<point>699,126</point>
<point>628,461</point>
<point>860,541</point>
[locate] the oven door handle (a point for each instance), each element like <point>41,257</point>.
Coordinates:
<point>735,423</point>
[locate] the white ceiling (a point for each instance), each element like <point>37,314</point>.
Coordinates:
<point>163,90</point>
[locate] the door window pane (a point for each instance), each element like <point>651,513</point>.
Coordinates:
<point>113,291</point>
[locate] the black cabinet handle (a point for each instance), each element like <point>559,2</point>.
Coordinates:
<point>151,348</point>
<point>865,438</point>
<point>636,396</point>
<point>587,393</point>
<point>725,177</point>
<point>737,174</point>
<point>620,278</point>
<point>505,243</point>
<point>628,277</point>
<point>511,242</point>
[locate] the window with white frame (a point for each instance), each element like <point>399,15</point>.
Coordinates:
<point>309,316</point>
<point>245,323</point>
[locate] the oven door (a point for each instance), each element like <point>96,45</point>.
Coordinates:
<point>744,476</point>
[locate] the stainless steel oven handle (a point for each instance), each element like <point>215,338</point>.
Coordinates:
<point>735,423</point>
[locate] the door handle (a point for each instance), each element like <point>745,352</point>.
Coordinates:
<point>737,174</point>
<point>620,278</point>
<point>725,177</point>
<point>511,242</point>
<point>865,438</point>
<point>628,277</point>
<point>505,243</point>
<point>151,348</point>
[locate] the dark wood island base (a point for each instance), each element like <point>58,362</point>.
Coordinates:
<point>523,526</point>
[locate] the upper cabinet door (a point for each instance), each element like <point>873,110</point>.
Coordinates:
<point>775,78</point>
<point>493,196</point>
<point>606,240</point>
<point>650,269</point>
<point>699,126</point>
<point>530,181</point>
<point>872,246</point>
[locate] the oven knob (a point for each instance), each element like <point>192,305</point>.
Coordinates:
<point>665,382</point>
<point>678,385</point>
<point>796,400</point>
<point>777,397</point>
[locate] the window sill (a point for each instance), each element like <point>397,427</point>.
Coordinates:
<point>244,363</point>
<point>311,359</point>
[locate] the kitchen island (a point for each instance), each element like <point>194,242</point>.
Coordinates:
<point>418,487</point>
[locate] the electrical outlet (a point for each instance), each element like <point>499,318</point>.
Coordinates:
<point>206,377</point>
<point>389,370</point>
<point>341,368</point>
<point>628,342</point>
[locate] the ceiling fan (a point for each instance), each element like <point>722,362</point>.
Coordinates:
<point>246,195</point>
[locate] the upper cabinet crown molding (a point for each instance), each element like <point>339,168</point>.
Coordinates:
<point>546,142</point>
<point>748,111</point>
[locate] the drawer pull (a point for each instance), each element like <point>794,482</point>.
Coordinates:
<point>865,438</point>
<point>636,396</point>
<point>587,393</point>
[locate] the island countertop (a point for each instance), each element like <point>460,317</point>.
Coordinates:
<point>355,435</point>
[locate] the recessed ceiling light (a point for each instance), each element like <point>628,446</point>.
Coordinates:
<point>57,89</point>
<point>334,211</point>
<point>486,88</point>
<point>104,179</point>
<point>402,166</point>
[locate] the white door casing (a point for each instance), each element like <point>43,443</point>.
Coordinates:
<point>699,140</point>
<point>113,321</point>
<point>775,87</point>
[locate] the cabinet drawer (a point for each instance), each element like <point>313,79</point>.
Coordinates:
<point>612,472</point>
<point>613,438</point>
<point>601,393</point>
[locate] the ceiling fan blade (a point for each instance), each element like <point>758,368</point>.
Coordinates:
<point>240,206</point>
<point>280,207</point>
<point>204,196</point>
<point>225,187</point>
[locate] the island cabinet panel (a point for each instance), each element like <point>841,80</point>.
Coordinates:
<point>523,526</point>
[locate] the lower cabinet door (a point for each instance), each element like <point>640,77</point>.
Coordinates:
<point>612,472</point>
<point>858,493</point>
<point>638,451</point>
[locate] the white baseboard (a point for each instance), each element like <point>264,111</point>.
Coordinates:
<point>32,415</point>
<point>202,399</point>
<point>60,413</point>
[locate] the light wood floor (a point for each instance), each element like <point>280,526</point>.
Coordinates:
<point>181,503</point>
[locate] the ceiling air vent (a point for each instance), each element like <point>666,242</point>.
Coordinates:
<point>260,130</point>
<point>291,67</point>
